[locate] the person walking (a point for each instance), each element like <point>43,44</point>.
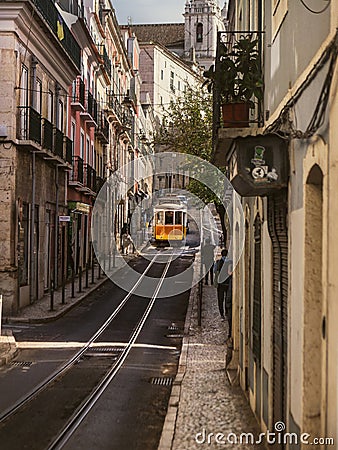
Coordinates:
<point>223,282</point>
<point>207,259</point>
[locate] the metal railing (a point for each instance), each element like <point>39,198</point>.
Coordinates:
<point>78,91</point>
<point>103,127</point>
<point>225,46</point>
<point>114,105</point>
<point>29,124</point>
<point>47,134</point>
<point>68,143</point>
<point>90,177</point>
<point>77,170</point>
<point>57,25</point>
<point>58,143</point>
<point>92,106</point>
<point>106,60</point>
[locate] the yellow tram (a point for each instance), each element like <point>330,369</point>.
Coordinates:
<point>170,220</point>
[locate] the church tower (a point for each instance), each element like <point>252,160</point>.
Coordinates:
<point>203,18</point>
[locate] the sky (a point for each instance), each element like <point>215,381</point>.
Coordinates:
<point>149,11</point>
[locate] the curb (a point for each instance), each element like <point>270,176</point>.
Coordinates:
<point>168,431</point>
<point>8,347</point>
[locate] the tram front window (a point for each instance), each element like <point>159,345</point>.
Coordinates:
<point>169,217</point>
<point>178,218</point>
<point>159,218</point>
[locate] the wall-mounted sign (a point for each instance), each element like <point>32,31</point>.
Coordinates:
<point>262,165</point>
<point>64,218</point>
<point>79,207</point>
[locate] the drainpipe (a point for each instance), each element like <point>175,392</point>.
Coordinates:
<point>32,224</point>
<point>56,221</point>
<point>32,239</point>
<point>56,225</point>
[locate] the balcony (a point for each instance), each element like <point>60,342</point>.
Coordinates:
<point>237,87</point>
<point>78,94</point>
<point>29,124</point>
<point>106,60</point>
<point>115,108</point>
<point>76,176</point>
<point>58,143</point>
<point>39,134</point>
<point>68,144</point>
<point>102,131</point>
<point>47,135</point>
<point>89,114</point>
<point>90,178</point>
<point>99,183</point>
<point>51,15</point>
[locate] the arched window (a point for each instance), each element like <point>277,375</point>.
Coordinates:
<point>199,32</point>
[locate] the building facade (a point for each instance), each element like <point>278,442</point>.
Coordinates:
<point>284,290</point>
<point>35,148</point>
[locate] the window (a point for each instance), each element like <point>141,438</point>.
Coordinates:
<point>88,150</point>
<point>60,115</point>
<point>38,98</point>
<point>178,218</point>
<point>82,140</point>
<point>50,106</point>
<point>169,217</point>
<point>73,135</point>
<point>172,80</point>
<point>162,74</point>
<point>199,32</point>
<point>24,86</point>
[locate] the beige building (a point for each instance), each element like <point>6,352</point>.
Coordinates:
<point>284,167</point>
<point>35,151</point>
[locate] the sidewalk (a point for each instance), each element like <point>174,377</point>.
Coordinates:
<point>202,400</point>
<point>40,312</point>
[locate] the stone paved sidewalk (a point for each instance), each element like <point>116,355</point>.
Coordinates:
<point>202,400</point>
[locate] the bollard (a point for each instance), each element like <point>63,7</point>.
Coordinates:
<point>80,279</point>
<point>99,275</point>
<point>86,285</point>
<point>52,295</point>
<point>0,311</point>
<point>109,260</point>
<point>104,263</point>
<point>93,274</point>
<point>63,298</point>
<point>199,311</point>
<point>73,284</point>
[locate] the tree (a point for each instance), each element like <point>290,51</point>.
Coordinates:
<point>187,128</point>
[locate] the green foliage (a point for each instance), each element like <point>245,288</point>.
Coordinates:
<point>238,75</point>
<point>187,125</point>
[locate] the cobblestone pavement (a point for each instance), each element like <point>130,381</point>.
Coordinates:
<point>202,400</point>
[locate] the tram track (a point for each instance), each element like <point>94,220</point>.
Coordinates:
<point>101,381</point>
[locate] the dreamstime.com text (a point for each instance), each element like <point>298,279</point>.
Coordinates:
<point>278,436</point>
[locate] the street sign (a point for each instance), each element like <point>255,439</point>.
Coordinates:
<point>64,218</point>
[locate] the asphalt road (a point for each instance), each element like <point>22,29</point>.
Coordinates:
<point>130,414</point>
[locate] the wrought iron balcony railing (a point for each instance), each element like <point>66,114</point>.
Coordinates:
<point>99,183</point>
<point>58,143</point>
<point>102,131</point>
<point>77,170</point>
<point>53,18</point>
<point>114,106</point>
<point>29,124</point>
<point>90,177</point>
<point>106,60</point>
<point>47,134</point>
<point>68,143</point>
<point>91,106</point>
<point>78,92</point>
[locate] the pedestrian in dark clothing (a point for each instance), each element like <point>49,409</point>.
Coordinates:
<point>223,281</point>
<point>207,259</point>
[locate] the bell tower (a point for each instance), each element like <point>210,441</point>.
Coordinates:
<point>203,18</point>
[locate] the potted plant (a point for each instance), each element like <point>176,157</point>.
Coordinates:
<point>237,80</point>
